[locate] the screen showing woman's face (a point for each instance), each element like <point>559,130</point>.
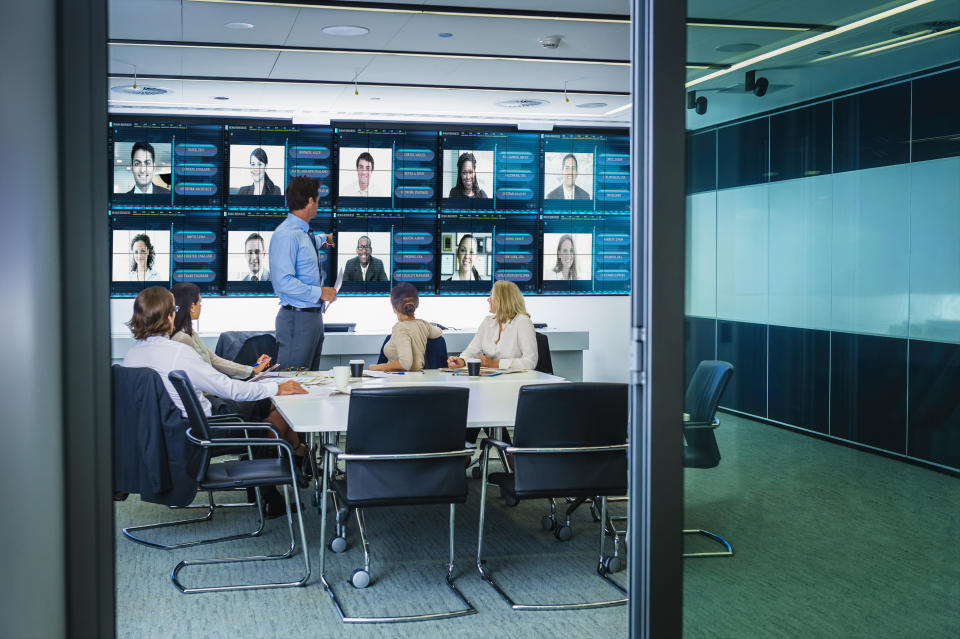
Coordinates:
<point>468,175</point>
<point>257,168</point>
<point>140,254</point>
<point>466,252</point>
<point>565,252</point>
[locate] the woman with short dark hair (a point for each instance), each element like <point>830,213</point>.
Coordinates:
<point>262,184</point>
<point>408,340</point>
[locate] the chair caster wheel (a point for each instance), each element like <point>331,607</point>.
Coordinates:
<point>563,533</point>
<point>511,500</point>
<point>360,578</point>
<point>338,544</point>
<point>612,564</point>
<point>548,523</point>
<point>476,472</point>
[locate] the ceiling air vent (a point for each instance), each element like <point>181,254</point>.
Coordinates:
<point>141,89</point>
<point>521,103</point>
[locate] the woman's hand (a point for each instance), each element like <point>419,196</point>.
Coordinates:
<point>455,362</point>
<point>291,387</point>
<point>262,362</point>
<point>489,362</point>
<point>375,367</point>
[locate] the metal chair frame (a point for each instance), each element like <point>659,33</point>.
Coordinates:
<point>250,442</point>
<point>601,570</point>
<point>331,455</point>
<point>728,549</point>
<point>210,507</point>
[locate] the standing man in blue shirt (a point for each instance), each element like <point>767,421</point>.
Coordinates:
<point>297,277</point>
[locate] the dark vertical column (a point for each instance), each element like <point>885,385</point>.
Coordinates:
<point>31,481</point>
<point>656,376</point>
<point>84,290</point>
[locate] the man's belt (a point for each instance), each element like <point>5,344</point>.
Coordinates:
<point>311,309</point>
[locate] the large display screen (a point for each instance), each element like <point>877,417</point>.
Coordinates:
<point>449,211</point>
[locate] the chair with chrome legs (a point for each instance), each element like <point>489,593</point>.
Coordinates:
<point>247,473</point>
<point>405,446</point>
<point>152,455</point>
<point>700,404</point>
<point>569,441</point>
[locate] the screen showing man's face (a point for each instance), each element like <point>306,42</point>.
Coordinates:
<point>254,250</point>
<point>364,249</point>
<point>142,168</point>
<point>569,172</point>
<point>364,168</point>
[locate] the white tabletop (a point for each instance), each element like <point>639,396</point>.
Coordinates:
<point>493,400</point>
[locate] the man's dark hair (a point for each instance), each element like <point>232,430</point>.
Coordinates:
<point>367,238</point>
<point>365,156</point>
<point>572,157</point>
<point>143,146</point>
<point>253,236</point>
<point>300,189</point>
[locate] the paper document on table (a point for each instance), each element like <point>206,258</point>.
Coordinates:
<point>375,374</point>
<point>336,287</point>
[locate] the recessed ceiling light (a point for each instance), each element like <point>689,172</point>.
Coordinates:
<point>238,25</point>
<point>738,47</point>
<point>345,30</point>
<point>220,97</point>
<point>591,105</point>
<point>142,89</point>
<point>444,35</point>
<point>375,99</point>
<point>521,103</point>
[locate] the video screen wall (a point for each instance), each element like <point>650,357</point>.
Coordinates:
<point>449,211</point>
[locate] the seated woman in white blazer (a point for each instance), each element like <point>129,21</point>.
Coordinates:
<point>505,339</point>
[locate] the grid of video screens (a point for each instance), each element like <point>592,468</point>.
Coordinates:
<point>449,211</point>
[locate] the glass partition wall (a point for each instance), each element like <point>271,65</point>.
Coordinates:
<point>823,263</point>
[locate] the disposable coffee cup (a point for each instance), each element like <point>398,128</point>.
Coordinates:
<point>473,367</point>
<point>341,376</point>
<point>356,367</point>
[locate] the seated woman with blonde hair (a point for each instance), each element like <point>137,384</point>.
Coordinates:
<point>408,340</point>
<point>506,338</point>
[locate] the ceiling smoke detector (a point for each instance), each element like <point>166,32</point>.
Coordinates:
<point>521,103</point>
<point>141,89</point>
<point>550,41</point>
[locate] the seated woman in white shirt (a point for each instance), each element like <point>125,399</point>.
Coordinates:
<point>408,340</point>
<point>505,339</point>
<point>152,325</point>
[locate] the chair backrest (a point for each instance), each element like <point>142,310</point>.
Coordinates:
<point>700,402</point>
<point>339,327</point>
<point>255,346</point>
<point>195,417</point>
<point>568,416</point>
<point>544,361</point>
<point>230,342</point>
<point>435,355</point>
<point>402,420</point>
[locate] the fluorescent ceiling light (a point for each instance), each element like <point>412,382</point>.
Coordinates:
<point>401,54</point>
<point>772,27</point>
<point>870,46</point>
<point>807,41</point>
<point>238,25</point>
<point>911,41</point>
<point>619,109</point>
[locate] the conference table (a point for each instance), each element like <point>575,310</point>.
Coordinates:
<point>324,409</point>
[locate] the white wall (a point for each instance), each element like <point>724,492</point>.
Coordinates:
<point>606,318</point>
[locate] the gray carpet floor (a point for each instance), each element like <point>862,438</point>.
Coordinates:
<point>829,541</point>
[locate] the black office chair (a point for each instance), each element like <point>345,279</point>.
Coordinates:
<point>435,355</point>
<point>248,473</point>
<point>162,470</point>
<point>700,403</point>
<point>255,346</point>
<point>404,447</point>
<point>230,342</point>
<point>570,440</point>
<point>544,361</point>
